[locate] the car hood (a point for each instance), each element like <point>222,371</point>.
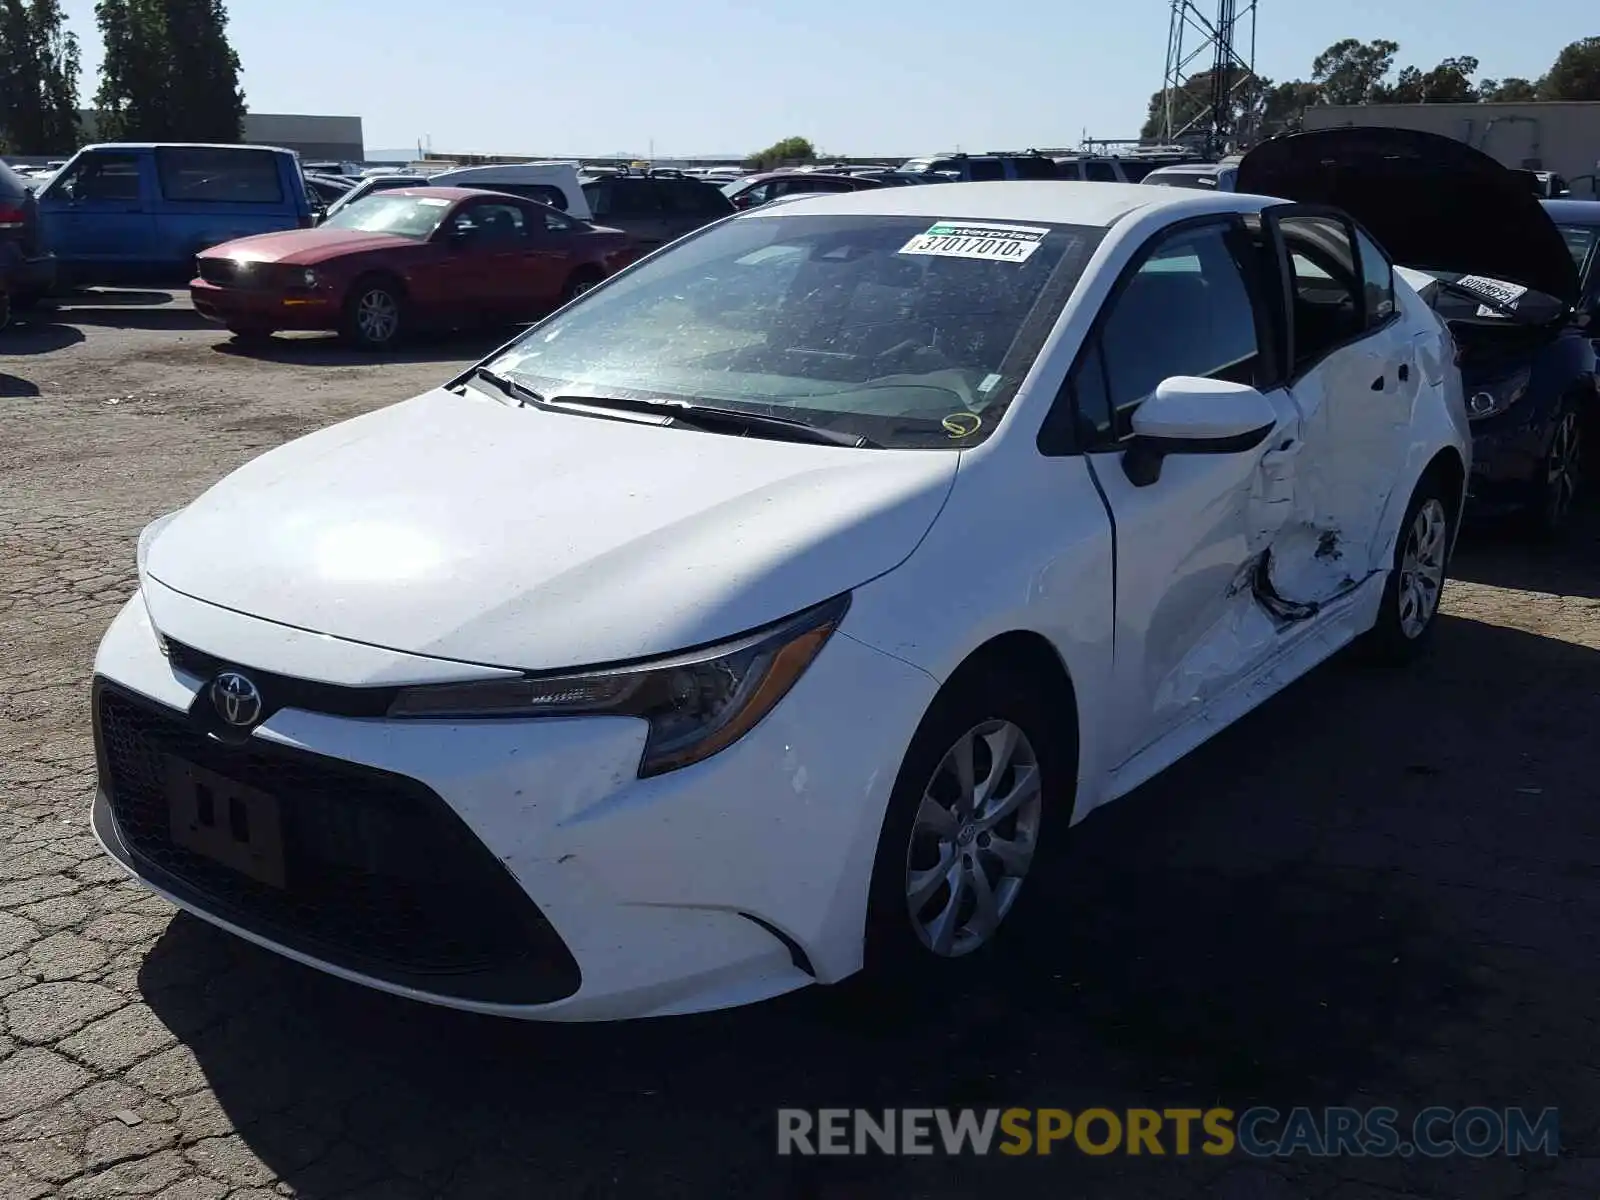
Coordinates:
<point>1432,202</point>
<point>302,247</point>
<point>456,526</point>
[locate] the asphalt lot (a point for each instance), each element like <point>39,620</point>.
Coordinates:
<point>1379,889</point>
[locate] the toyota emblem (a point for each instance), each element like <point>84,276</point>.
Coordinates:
<point>237,700</point>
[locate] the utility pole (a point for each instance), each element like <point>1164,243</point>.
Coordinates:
<point>1222,43</point>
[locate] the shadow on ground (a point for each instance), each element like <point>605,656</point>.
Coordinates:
<point>1352,896</point>
<point>36,333</point>
<point>14,387</point>
<point>327,350</point>
<point>1503,554</point>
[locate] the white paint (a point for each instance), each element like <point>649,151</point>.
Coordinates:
<point>521,538</point>
<point>1202,410</point>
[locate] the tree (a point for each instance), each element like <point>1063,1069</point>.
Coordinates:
<point>169,73</point>
<point>38,79</point>
<point>1448,83</point>
<point>1508,90</point>
<point>1191,106</point>
<point>1284,104</point>
<point>1350,71</point>
<point>1575,74</point>
<point>790,149</point>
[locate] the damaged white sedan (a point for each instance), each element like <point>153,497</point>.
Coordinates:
<point>775,608</point>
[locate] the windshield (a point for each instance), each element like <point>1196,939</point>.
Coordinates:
<point>905,330</point>
<point>409,216</point>
<point>1580,241</point>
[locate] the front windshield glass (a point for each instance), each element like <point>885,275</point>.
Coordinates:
<point>909,331</point>
<point>409,216</point>
<point>1580,241</point>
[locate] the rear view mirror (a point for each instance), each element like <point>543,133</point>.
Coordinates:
<point>1190,415</point>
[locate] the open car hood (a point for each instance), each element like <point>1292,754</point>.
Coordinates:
<point>1432,202</point>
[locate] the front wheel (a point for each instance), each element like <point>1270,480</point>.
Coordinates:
<point>373,316</point>
<point>580,283</point>
<point>1410,605</point>
<point>986,778</point>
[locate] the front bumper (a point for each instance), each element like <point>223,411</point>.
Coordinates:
<point>265,308</point>
<point>29,277</point>
<point>730,881</point>
<point>1508,455</point>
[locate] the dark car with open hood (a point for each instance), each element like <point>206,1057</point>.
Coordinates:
<point>1498,272</point>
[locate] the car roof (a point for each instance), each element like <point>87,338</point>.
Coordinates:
<point>1576,212</point>
<point>1054,201</point>
<point>183,146</point>
<point>447,193</point>
<point>794,175</point>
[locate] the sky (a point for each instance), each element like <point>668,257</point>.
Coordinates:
<point>857,77</point>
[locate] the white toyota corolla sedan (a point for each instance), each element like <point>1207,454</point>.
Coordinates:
<point>774,609</point>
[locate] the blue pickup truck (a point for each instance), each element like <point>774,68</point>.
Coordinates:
<point>130,213</point>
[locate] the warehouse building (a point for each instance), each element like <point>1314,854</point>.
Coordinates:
<point>337,139</point>
<point>1559,136</point>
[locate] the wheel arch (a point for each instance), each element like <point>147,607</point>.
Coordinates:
<point>1033,657</point>
<point>379,275</point>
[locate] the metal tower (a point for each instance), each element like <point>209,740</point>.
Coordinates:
<point>1223,44</point>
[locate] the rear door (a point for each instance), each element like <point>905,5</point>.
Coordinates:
<point>1354,377</point>
<point>690,204</point>
<point>636,207</point>
<point>97,211</point>
<point>547,259</point>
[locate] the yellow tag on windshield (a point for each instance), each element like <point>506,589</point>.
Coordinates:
<point>962,424</point>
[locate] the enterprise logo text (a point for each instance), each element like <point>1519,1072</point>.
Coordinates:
<point>1257,1132</point>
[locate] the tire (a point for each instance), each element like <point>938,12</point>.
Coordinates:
<point>937,856</point>
<point>1409,610</point>
<point>580,283</point>
<point>5,308</point>
<point>1561,475</point>
<point>369,301</point>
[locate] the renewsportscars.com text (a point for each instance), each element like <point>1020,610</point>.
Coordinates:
<point>1258,1132</point>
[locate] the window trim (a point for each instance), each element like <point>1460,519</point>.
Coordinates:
<point>1361,231</point>
<point>1058,434</point>
<point>1271,222</point>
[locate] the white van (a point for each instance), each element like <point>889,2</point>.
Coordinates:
<point>552,183</point>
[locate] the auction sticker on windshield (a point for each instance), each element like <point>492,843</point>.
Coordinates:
<point>977,239</point>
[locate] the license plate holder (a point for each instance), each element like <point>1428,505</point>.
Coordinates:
<point>237,826</point>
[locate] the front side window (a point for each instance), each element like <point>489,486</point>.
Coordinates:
<point>488,224</point>
<point>1580,241</point>
<point>201,175</point>
<point>1032,167</point>
<point>1325,287</point>
<point>1099,171</point>
<point>986,168</point>
<point>876,325</point>
<point>1186,311</point>
<point>408,216</point>
<point>99,177</point>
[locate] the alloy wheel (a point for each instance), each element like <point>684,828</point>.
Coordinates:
<point>973,838</point>
<point>1422,567</point>
<point>1563,469</point>
<point>377,316</point>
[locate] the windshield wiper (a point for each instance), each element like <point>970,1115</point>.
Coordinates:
<point>709,418</point>
<point>507,386</point>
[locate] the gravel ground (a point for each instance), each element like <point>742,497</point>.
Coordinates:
<point>1379,889</point>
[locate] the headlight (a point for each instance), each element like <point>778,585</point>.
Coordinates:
<point>697,703</point>
<point>1495,398</point>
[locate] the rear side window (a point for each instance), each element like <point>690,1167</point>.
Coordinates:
<point>1377,281</point>
<point>805,183</point>
<point>986,168</point>
<point>1099,172</point>
<point>1034,168</point>
<point>219,176</point>
<point>687,196</point>
<point>1326,287</point>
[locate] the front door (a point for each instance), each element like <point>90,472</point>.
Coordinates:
<point>98,211</point>
<point>1188,543</point>
<point>484,273</point>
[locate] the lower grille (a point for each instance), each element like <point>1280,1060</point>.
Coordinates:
<point>223,272</point>
<point>380,876</point>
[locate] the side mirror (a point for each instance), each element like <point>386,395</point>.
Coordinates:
<point>1189,415</point>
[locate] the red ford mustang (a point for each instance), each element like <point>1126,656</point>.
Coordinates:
<point>406,259</point>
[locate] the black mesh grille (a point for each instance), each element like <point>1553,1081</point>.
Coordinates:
<point>380,875</point>
<point>223,272</point>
